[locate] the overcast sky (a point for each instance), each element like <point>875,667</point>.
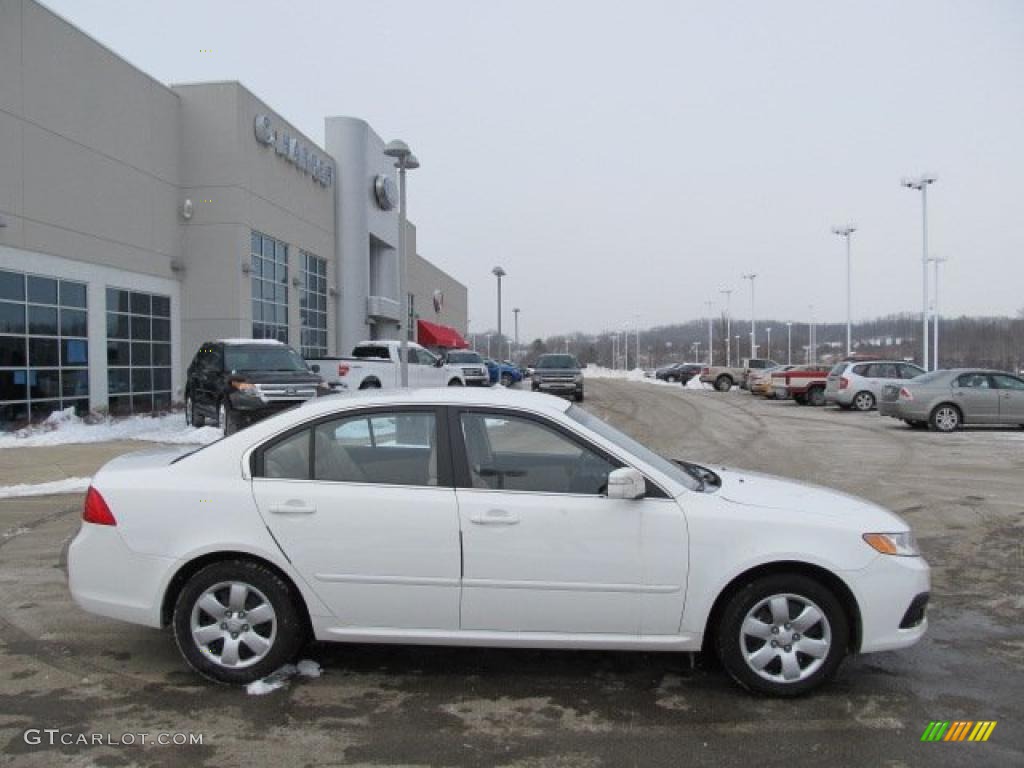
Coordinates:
<point>633,158</point>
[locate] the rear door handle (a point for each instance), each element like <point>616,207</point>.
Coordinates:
<point>292,507</point>
<point>494,517</point>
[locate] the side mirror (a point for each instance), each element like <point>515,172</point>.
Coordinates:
<point>626,483</point>
<point>314,368</point>
<point>439,362</point>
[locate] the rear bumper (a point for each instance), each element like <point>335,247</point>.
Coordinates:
<point>107,578</point>
<point>838,396</point>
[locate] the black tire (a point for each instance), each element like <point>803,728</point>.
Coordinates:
<point>800,399</point>
<point>288,635</point>
<point>454,383</point>
<point>732,649</point>
<point>228,420</point>
<point>506,380</point>
<point>723,383</point>
<point>816,396</point>
<point>671,379</point>
<point>946,417</point>
<point>844,406</point>
<point>192,418</point>
<point>863,401</point>
<point>578,397</point>
<point>370,384</point>
<point>916,424</point>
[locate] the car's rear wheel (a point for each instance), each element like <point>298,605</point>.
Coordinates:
<point>864,401</point>
<point>946,418</point>
<point>723,383</point>
<point>800,399</point>
<point>226,418</point>
<point>237,621</point>
<point>370,384</point>
<point>782,635</point>
<point>454,383</point>
<point>506,379</point>
<point>816,396</point>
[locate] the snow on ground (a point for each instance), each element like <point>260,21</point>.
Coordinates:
<point>65,428</point>
<point>280,678</point>
<point>68,485</point>
<point>636,375</point>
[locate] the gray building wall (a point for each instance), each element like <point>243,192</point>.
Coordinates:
<point>249,187</point>
<point>425,278</point>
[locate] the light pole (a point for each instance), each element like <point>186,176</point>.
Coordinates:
<point>499,273</point>
<point>488,344</point>
<point>936,260</point>
<point>696,351</point>
<point>753,326</point>
<point>404,160</point>
<point>845,231</point>
<point>812,342</point>
<point>728,325</point>
<point>636,319</point>
<point>515,314</point>
<point>789,343</point>
<point>711,338</point>
<point>768,354</point>
<point>921,184</point>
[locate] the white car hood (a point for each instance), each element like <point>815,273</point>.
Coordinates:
<point>753,489</point>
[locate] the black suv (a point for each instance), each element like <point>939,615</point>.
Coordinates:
<point>235,382</point>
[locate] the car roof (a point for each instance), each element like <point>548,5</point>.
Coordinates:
<point>262,342</point>
<point>470,396</point>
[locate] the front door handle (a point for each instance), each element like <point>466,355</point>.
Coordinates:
<point>494,517</point>
<point>293,507</point>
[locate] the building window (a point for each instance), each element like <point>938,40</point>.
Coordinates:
<point>138,351</point>
<point>269,288</point>
<point>313,305</point>
<point>44,352</point>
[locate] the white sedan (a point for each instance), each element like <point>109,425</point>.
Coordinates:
<point>487,518</point>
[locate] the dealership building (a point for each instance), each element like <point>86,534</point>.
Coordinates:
<point>138,220</point>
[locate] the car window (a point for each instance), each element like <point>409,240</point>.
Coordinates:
<point>1003,381</point>
<point>883,371</point>
<point>861,370</point>
<point>389,448</point>
<point>974,381</point>
<point>518,454</point>
<point>289,458</point>
<point>908,371</point>
<point>838,369</point>
<point>425,357</point>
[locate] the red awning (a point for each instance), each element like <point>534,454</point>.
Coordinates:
<point>433,335</point>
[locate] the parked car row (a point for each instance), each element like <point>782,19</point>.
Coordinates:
<point>942,400</point>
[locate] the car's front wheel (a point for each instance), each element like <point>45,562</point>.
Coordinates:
<point>236,621</point>
<point>506,379</point>
<point>723,383</point>
<point>783,635</point>
<point>864,401</point>
<point>227,419</point>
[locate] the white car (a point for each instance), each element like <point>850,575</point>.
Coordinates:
<point>859,385</point>
<point>485,517</point>
<point>377,365</point>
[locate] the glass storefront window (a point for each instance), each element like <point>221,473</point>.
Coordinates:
<point>269,261</point>
<point>313,305</point>
<point>44,352</point>
<point>138,351</point>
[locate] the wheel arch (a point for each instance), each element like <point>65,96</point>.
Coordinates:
<point>826,577</point>
<point>369,381</point>
<point>192,567</point>
<point>944,403</point>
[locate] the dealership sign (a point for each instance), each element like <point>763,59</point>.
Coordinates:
<point>295,152</point>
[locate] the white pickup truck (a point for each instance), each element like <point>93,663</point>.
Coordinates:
<point>375,365</point>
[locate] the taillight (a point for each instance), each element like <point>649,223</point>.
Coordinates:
<point>844,382</point>
<point>705,371</point>
<point>905,394</point>
<point>343,370</point>
<point>96,510</point>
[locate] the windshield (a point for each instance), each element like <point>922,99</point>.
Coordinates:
<point>262,357</point>
<point>464,357</point>
<point>557,361</point>
<point>927,378</point>
<point>367,351</point>
<point>642,452</point>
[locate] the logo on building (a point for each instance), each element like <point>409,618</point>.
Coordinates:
<point>294,151</point>
<point>958,730</point>
<point>438,300</point>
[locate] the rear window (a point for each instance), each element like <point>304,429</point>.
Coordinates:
<point>371,351</point>
<point>837,369</point>
<point>464,357</point>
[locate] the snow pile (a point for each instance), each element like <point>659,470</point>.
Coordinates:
<point>68,485</point>
<point>65,428</point>
<point>280,678</point>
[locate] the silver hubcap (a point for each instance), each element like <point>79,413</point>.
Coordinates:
<point>947,419</point>
<point>863,402</point>
<point>234,624</point>
<point>785,638</point>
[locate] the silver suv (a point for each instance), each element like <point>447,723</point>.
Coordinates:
<point>859,384</point>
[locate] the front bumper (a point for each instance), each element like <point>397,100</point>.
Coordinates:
<point>886,592</point>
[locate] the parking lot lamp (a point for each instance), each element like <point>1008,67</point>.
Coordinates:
<point>845,231</point>
<point>404,160</point>
<point>921,184</point>
<point>711,338</point>
<point>515,313</point>
<point>696,351</point>
<point>728,325</point>
<point>488,344</point>
<point>789,343</point>
<point>499,273</point>
<point>768,354</point>
<point>737,337</point>
<point>936,260</point>
<point>812,342</point>
<point>753,325</point>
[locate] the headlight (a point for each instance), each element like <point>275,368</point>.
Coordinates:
<point>902,544</point>
<point>244,386</point>
<point>578,378</point>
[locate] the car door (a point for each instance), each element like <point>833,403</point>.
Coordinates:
<point>363,505</point>
<point>977,397</point>
<point>1011,398</point>
<point>430,374</point>
<point>880,374</point>
<point>544,549</point>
